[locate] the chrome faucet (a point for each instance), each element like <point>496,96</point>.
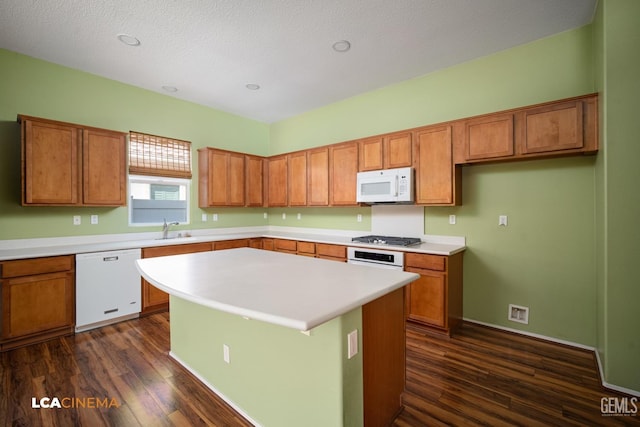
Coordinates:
<point>165,228</point>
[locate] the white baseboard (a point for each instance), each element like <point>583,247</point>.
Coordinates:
<point>213,389</point>
<point>564,342</point>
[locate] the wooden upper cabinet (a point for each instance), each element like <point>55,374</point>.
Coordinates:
<point>552,128</point>
<point>386,152</point>
<point>318,177</point>
<point>104,168</point>
<point>558,128</point>
<point>371,154</point>
<point>343,168</point>
<point>437,180</point>
<point>489,137</point>
<point>255,180</point>
<point>70,165</point>
<point>297,178</point>
<point>398,150</point>
<point>221,178</point>
<point>277,184</point>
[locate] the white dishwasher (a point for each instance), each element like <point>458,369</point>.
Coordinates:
<point>107,288</point>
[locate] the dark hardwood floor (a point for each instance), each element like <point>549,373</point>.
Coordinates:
<point>479,377</point>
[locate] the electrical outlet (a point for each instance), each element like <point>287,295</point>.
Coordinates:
<point>452,219</point>
<point>204,217</point>
<point>284,215</point>
<point>94,219</point>
<point>299,215</point>
<point>502,220</point>
<point>265,215</point>
<point>518,313</point>
<point>215,217</point>
<point>77,220</point>
<point>352,343</point>
<point>359,217</point>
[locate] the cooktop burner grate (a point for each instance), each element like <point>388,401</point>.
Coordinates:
<point>387,240</point>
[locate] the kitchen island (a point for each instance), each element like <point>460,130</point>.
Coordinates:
<point>236,322</point>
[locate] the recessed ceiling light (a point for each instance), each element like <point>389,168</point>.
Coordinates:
<point>128,40</point>
<point>170,88</point>
<point>341,46</point>
<point>253,86</point>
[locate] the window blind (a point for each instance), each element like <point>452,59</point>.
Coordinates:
<point>159,156</point>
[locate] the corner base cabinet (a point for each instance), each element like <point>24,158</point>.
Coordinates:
<point>38,300</point>
<point>153,299</point>
<point>434,301</point>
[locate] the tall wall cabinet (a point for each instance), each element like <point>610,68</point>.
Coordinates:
<point>65,164</point>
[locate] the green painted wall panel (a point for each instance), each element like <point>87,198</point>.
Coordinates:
<point>621,233</point>
<point>276,375</point>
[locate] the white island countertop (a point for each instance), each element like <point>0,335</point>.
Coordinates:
<point>289,290</point>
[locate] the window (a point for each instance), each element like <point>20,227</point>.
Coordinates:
<point>159,179</point>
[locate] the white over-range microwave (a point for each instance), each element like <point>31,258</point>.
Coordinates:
<point>386,186</point>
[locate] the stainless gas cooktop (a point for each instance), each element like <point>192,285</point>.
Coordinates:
<point>387,240</point>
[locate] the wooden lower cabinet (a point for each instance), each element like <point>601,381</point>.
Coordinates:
<point>153,299</point>
<point>285,245</point>
<point>230,244</point>
<point>435,299</point>
<point>38,300</point>
<point>332,252</point>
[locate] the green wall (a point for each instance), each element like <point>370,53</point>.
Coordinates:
<point>276,375</point>
<point>42,89</point>
<point>618,68</point>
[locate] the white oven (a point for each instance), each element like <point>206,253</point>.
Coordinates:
<point>376,258</point>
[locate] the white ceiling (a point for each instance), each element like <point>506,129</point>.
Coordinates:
<point>211,49</point>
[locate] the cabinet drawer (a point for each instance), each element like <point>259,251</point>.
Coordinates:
<point>27,267</point>
<point>175,249</point>
<point>306,247</point>
<point>429,262</point>
<point>230,244</point>
<point>333,251</point>
<point>286,245</point>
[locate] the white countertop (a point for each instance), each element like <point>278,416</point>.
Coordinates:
<point>34,248</point>
<point>288,290</point>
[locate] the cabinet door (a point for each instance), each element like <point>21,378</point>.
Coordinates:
<point>103,168</point>
<point>216,177</point>
<point>297,179</point>
<point>371,152</point>
<point>343,166</point>
<point>318,173</point>
<point>435,171</point>
<point>427,298</point>
<point>255,181</point>
<point>553,128</point>
<point>489,137</point>
<point>236,179</point>
<point>34,304</point>
<point>50,163</point>
<point>230,244</point>
<point>277,181</point>
<point>398,151</point>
